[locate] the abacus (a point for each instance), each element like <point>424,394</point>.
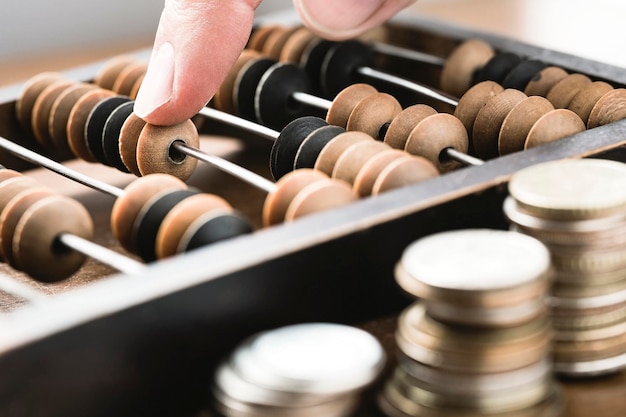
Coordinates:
<point>147,341</point>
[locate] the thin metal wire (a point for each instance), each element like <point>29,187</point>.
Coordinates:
<point>238,121</point>
<point>226,166</point>
<point>462,157</point>
<point>311,100</point>
<point>35,158</point>
<point>409,54</point>
<point>418,88</point>
<point>12,286</point>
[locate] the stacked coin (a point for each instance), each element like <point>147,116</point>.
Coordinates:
<point>577,208</point>
<point>478,340</point>
<point>312,369</point>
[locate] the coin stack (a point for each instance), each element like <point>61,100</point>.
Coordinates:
<point>309,369</point>
<point>478,339</point>
<point>577,208</point>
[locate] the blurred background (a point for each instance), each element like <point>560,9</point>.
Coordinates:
<point>37,35</point>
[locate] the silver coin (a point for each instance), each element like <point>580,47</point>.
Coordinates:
<point>591,368</point>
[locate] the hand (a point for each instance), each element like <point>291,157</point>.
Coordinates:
<point>198,41</point>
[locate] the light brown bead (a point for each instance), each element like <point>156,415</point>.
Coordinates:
<point>155,153</point>
<point>372,113</point>
<point>6,174</point>
<point>552,126</point>
<point>60,114</point>
<point>346,101</point>
<point>544,80</point>
<point>35,243</point>
<point>354,157</point>
<point>519,121</point>
<point>21,198</point>
<point>135,89</point>
<point>489,121</point>
<point>40,119</point>
<point>609,109</point>
<point>127,207</point>
<point>564,91</point>
<point>105,78</point>
<point>275,42</point>
<point>295,45</point>
<point>287,187</point>
<point>327,158</point>
<point>434,134</point>
<point>401,126</point>
<point>78,120</point>
<point>181,217</point>
<point>223,99</point>
<point>29,93</point>
<point>129,135</point>
<point>320,196</point>
<point>463,62</point>
<point>403,172</point>
<point>127,78</point>
<point>584,101</point>
<point>473,100</point>
<point>372,168</point>
<point>260,35</point>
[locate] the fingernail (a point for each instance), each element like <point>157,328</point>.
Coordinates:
<point>158,84</point>
<point>343,16</point>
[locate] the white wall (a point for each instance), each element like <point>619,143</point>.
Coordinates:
<point>29,27</point>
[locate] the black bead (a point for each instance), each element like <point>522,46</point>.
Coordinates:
<point>341,63</point>
<point>111,135</point>
<point>313,145</point>
<point>149,220</point>
<point>246,85</point>
<point>215,229</point>
<point>96,120</point>
<point>312,60</point>
<point>274,103</point>
<point>498,67</point>
<point>519,77</point>
<point>286,145</point>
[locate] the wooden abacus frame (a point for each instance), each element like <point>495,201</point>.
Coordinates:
<point>147,344</point>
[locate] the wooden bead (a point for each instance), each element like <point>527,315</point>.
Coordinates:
<point>6,174</point>
<point>372,168</point>
<point>346,101</point>
<point>584,101</point>
<point>552,126</point>
<point>155,153</point>
<point>519,77</point>
<point>129,135</point>
<point>434,134</point>
<point>313,144</point>
<point>372,113</point>
<point>35,245</point>
<point>564,91</point>
<point>273,45</point>
<point>41,112</point>
<point>277,202</point>
<point>260,35</point>
<point>135,88</point>
<point>136,194</point>
<point>489,121</point>
<point>22,198</point>
<point>341,63</point>
<point>332,151</point>
<point>294,46</point>
<point>401,126</point>
<point>354,157</point>
<point>111,135</point>
<point>462,64</point>
<point>181,217</point>
<point>60,114</point>
<point>78,120</point>
<point>223,99</point>
<point>320,196</point>
<point>127,78</point>
<point>609,109</point>
<point>212,227</point>
<point>28,95</point>
<point>96,121</point>
<point>312,60</point>
<point>519,121</point>
<point>246,83</point>
<point>107,75</point>
<point>473,100</point>
<point>544,80</point>
<point>402,172</point>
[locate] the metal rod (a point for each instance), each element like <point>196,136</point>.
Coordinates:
<point>311,100</point>
<point>12,286</point>
<point>35,158</point>
<point>461,157</point>
<point>239,122</point>
<point>103,255</point>
<point>226,166</point>
<point>418,88</point>
<point>409,54</point>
